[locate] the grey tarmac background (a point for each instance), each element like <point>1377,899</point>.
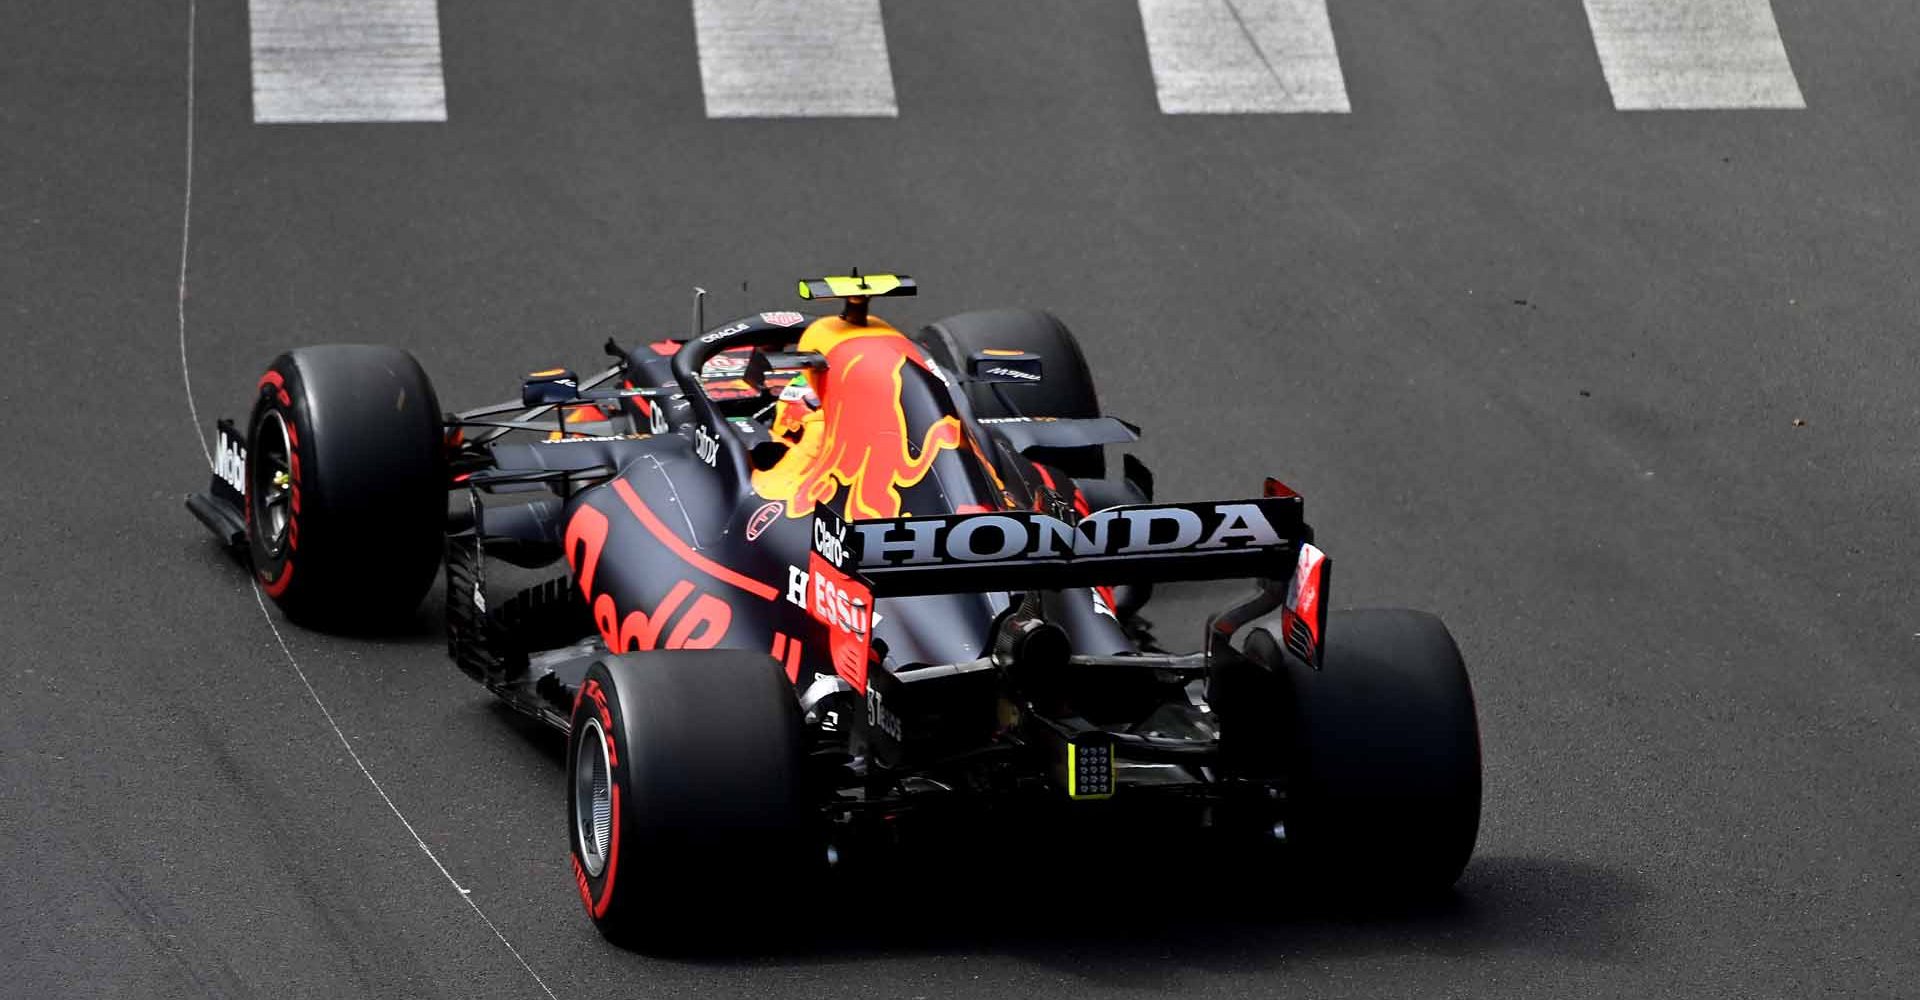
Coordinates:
<point>1535,363</point>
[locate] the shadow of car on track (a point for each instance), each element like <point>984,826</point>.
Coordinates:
<point>1178,914</point>
<point>540,737</point>
<point>424,628</point>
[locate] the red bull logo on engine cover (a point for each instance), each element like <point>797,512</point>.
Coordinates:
<point>859,439</point>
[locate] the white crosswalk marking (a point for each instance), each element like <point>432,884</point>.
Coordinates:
<point>346,61</point>
<point>771,59</point>
<point>379,60</point>
<point>1681,54</point>
<point>1243,56</point>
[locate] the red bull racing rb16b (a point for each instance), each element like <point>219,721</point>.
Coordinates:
<point>799,578</point>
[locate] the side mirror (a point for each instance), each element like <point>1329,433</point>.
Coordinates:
<point>762,363</point>
<point>996,365</point>
<point>544,388</point>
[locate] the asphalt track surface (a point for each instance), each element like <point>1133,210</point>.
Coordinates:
<point>1627,398</point>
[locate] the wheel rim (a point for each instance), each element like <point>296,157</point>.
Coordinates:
<point>272,481</point>
<point>592,799</point>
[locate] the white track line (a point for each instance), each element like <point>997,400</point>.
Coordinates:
<point>186,231</point>
<point>1662,55</point>
<point>193,411</point>
<point>1222,57</point>
<point>819,59</point>
<point>465,893</point>
<point>346,61</point>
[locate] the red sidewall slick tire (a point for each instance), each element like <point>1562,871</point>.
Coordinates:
<point>346,485</point>
<point>596,868</point>
<point>703,814</point>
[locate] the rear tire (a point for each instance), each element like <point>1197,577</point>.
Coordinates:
<point>686,797</point>
<point>1380,749</point>
<point>346,485</point>
<point>1066,387</point>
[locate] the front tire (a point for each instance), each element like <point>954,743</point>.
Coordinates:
<point>1066,387</point>
<point>685,796</point>
<point>346,485</point>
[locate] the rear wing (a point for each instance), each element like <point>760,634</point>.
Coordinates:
<point>1264,539</point>
<point>1030,550</point>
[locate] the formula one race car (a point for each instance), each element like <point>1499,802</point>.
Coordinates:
<point>795,582</point>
